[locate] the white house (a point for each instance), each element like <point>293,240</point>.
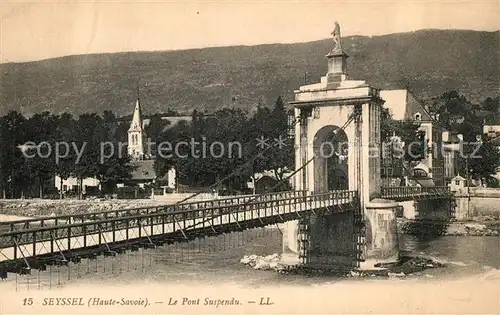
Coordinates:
<point>72,183</point>
<point>491,126</point>
<point>496,142</point>
<point>405,107</point>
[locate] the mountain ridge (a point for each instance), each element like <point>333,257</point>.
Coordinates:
<point>228,46</point>
<point>245,75</point>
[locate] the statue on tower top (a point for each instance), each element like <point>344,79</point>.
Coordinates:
<point>336,38</point>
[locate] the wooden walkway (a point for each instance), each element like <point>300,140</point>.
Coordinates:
<point>29,242</point>
<point>37,241</point>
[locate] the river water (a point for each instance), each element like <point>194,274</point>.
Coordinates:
<point>217,258</point>
<point>463,255</point>
<point>212,267</point>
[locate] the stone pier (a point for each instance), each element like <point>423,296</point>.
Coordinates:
<point>381,233</point>
<point>339,131</point>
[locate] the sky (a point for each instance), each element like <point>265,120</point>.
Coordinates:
<point>34,30</point>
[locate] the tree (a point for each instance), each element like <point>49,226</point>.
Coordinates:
<point>491,104</point>
<point>278,153</point>
<point>42,130</point>
<point>108,117</point>
<point>406,143</point>
<point>112,170</point>
<point>204,165</point>
<point>154,130</point>
<point>12,135</point>
<point>89,136</point>
<point>258,126</point>
<point>281,157</point>
<point>114,163</point>
<point>481,158</point>
<point>412,139</point>
<point>166,158</point>
<point>23,177</point>
<point>65,136</point>
<point>227,126</point>
<point>457,115</point>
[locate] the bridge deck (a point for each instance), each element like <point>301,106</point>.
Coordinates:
<point>414,193</point>
<point>43,239</point>
<point>23,224</point>
<point>169,223</point>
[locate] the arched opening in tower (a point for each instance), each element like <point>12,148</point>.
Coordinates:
<point>330,159</point>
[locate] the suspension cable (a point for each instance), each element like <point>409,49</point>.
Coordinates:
<point>280,182</point>
<point>238,169</point>
<point>408,170</point>
<point>336,133</point>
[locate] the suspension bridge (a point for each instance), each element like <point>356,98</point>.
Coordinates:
<point>324,225</point>
<point>32,243</point>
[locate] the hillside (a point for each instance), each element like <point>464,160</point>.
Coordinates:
<point>428,61</point>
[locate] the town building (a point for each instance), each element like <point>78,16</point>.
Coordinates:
<point>404,106</point>
<point>71,185</point>
<point>267,181</point>
<point>491,126</point>
<point>491,129</point>
<point>143,172</point>
<point>451,147</point>
<point>496,142</point>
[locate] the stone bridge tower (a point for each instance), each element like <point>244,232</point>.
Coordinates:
<point>338,140</point>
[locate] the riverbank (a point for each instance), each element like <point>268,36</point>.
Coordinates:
<point>45,207</point>
<point>479,226</point>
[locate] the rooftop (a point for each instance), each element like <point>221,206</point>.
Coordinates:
<point>403,105</point>
<point>143,170</point>
<point>496,141</point>
<point>492,120</point>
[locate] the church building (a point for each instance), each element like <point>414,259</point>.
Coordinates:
<point>136,135</point>
<point>143,171</point>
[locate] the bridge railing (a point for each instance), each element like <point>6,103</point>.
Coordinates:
<point>417,191</point>
<point>202,217</point>
<point>62,220</point>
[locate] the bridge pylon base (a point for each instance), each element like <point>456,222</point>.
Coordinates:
<point>344,240</point>
<point>322,240</point>
<point>381,236</point>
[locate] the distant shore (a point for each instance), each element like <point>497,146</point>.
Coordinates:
<point>48,207</point>
<point>478,226</point>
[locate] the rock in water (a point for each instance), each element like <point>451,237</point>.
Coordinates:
<point>245,260</point>
<point>262,263</point>
<point>354,273</point>
<point>396,275</point>
<point>475,226</point>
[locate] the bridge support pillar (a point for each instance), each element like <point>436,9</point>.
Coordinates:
<point>321,241</point>
<point>381,238</point>
<point>291,244</point>
<point>328,242</point>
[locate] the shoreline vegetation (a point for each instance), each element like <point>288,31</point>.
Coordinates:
<point>477,226</point>
<point>48,207</point>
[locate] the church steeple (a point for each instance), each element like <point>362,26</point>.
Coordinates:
<point>136,123</point>
<point>136,133</point>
